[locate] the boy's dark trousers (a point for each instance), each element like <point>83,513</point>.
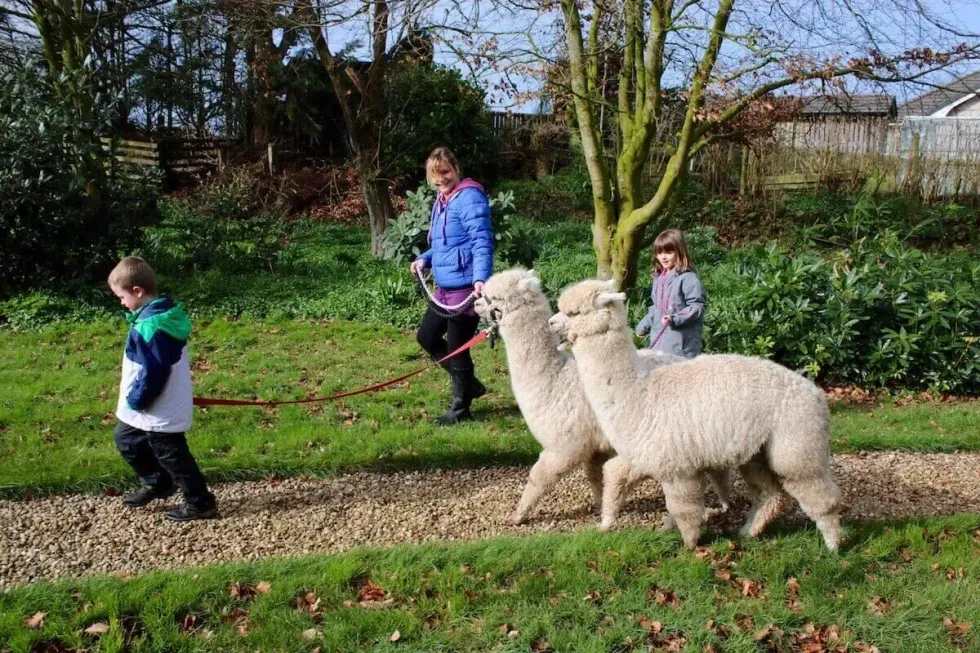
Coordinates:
<point>163,460</point>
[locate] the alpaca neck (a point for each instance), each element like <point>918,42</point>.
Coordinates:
<point>609,367</point>
<point>532,349</point>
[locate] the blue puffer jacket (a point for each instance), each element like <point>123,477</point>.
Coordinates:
<point>460,238</point>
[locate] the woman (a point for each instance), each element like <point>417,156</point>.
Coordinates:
<point>461,258</point>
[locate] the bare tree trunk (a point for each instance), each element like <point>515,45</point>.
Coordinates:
<point>361,97</point>
<point>378,202</point>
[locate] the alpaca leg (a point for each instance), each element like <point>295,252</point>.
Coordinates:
<point>617,479</point>
<point>820,499</point>
<point>685,503</point>
<point>593,472</point>
<point>545,473</point>
<point>721,482</point>
<point>667,524</point>
<point>766,494</point>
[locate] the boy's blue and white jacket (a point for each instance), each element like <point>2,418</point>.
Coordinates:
<point>155,393</point>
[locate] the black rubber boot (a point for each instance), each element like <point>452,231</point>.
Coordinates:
<point>459,405</point>
<point>474,389</point>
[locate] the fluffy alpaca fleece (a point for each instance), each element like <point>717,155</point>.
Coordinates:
<point>712,412</point>
<point>549,393</point>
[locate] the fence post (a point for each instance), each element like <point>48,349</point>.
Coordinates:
<point>743,172</point>
<point>915,167</point>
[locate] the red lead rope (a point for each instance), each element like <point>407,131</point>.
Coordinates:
<point>475,340</point>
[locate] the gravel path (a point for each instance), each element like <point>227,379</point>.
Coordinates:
<point>77,535</point>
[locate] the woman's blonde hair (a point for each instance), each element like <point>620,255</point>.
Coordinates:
<point>444,156</point>
<point>671,240</point>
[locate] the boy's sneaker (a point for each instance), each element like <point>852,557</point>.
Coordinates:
<point>188,512</point>
<point>145,495</point>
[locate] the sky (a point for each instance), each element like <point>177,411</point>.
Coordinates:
<point>893,27</point>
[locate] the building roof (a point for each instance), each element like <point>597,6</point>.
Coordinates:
<point>869,104</point>
<point>940,98</point>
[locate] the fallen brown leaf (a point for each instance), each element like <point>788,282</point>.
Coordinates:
<point>36,620</point>
<point>957,631</point>
<point>309,603</point>
<point>263,587</point>
<point>663,598</point>
<point>395,636</point>
<point>187,623</point>
<point>744,622</point>
<point>242,592</point>
<point>309,634</point>
<point>98,628</point>
<point>879,606</point>
<point>239,620</point>
<point>750,588</point>
<point>766,632</point>
<point>370,592</point>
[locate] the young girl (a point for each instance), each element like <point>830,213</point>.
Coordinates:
<point>674,320</point>
<point>461,258</point>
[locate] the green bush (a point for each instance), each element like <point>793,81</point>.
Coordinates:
<point>556,199</point>
<point>406,236</point>
<point>877,314</point>
<point>61,215</point>
<point>235,223</point>
<point>430,106</point>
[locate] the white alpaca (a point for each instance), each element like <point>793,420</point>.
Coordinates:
<point>712,412</point>
<point>549,393</point>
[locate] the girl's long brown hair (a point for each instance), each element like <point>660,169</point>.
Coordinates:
<point>671,240</point>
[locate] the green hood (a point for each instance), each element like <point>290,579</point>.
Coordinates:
<point>161,314</point>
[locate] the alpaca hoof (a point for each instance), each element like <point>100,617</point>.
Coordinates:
<point>605,526</point>
<point>668,524</point>
<point>517,519</point>
<point>746,531</point>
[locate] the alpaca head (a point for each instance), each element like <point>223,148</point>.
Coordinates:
<point>589,307</point>
<point>507,292</point>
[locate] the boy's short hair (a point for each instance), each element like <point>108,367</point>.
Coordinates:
<point>133,271</point>
<point>445,156</point>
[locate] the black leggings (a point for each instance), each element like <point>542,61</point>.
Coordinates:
<point>440,335</point>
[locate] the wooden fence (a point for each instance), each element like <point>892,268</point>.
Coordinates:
<point>503,121</point>
<point>176,159</point>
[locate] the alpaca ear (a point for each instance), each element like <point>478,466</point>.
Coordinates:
<point>532,273</point>
<point>529,283</point>
<point>606,298</point>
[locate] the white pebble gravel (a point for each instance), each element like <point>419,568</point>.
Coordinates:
<point>79,535</point>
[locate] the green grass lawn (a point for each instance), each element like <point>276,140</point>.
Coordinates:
<point>910,587</point>
<point>61,383</point>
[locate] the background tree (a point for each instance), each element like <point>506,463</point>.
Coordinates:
<point>720,58</point>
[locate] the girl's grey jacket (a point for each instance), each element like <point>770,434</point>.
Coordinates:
<point>682,297</point>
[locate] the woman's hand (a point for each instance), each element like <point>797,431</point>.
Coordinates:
<point>417,266</point>
<point>478,288</point>
<point>666,321</point>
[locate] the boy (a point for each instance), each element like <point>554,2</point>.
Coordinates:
<point>156,397</point>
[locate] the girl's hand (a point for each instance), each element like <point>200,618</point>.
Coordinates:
<point>666,321</point>
<point>478,288</point>
<point>417,266</point>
